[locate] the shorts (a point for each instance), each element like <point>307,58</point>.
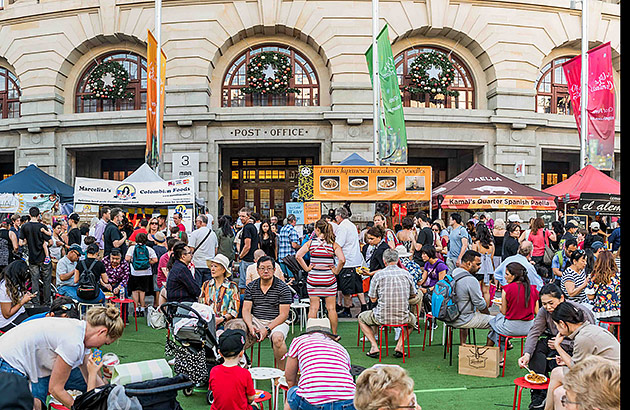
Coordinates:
<point>349,282</point>
<point>368,318</point>
<point>141,283</point>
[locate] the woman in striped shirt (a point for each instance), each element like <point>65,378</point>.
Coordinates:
<point>322,271</point>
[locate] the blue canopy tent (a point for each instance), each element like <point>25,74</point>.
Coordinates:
<point>355,159</point>
<point>32,180</point>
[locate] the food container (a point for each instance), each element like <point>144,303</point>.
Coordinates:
<point>109,361</point>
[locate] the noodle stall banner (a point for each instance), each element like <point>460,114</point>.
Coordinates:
<point>371,183</point>
<point>600,106</point>
<point>106,192</point>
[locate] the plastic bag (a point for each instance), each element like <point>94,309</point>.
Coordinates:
<point>155,318</point>
<point>118,400</point>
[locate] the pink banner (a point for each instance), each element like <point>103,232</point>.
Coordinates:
<point>600,106</point>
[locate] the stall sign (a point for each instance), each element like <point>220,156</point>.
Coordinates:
<point>21,203</point>
<point>599,204</point>
<point>106,192</point>
<point>186,210</point>
<point>371,183</point>
<point>312,212</point>
<point>86,211</point>
<point>297,209</point>
<point>496,202</point>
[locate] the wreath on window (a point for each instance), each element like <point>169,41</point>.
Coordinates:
<point>431,73</point>
<point>269,73</point>
<point>108,80</point>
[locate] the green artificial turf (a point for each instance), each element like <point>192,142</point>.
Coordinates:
<point>438,385</point>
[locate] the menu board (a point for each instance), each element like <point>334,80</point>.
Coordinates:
<point>371,183</point>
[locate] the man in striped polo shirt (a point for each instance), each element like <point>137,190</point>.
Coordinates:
<point>266,308</point>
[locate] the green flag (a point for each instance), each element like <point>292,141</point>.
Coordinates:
<point>393,135</point>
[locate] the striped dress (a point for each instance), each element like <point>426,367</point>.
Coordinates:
<point>321,281</point>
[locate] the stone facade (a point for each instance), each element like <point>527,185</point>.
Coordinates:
<point>47,44</point>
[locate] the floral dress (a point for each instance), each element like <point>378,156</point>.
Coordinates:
<point>607,302</point>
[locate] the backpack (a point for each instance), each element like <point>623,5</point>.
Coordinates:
<point>140,258</point>
<point>444,298</point>
<point>88,288</point>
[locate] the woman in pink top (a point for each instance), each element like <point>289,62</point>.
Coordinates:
<point>519,305</point>
<point>540,237</point>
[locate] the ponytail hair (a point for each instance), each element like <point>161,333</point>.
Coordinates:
<point>327,230</point>
<point>178,250</point>
<point>568,313</point>
<point>520,276</point>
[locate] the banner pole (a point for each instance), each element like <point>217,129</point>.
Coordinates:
<point>584,88</point>
<point>158,82</point>
<point>376,91</point>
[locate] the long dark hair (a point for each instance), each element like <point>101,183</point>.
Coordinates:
<point>520,276</point>
<point>483,235</point>
<point>15,276</point>
<point>568,313</point>
<point>272,235</point>
<point>178,250</point>
<point>225,224</point>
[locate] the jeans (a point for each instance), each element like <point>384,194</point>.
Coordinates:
<point>296,402</point>
<point>202,275</point>
<point>71,292</point>
<point>44,272</point>
<point>7,368</point>
<point>242,273</point>
<point>75,382</point>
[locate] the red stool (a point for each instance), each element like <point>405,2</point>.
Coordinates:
<point>507,338</point>
<point>251,353</point>
<point>359,336</point>
<point>266,396</point>
<point>121,301</point>
<point>427,319</point>
<point>617,324</point>
<point>418,316</point>
<point>403,330</point>
<point>521,384</point>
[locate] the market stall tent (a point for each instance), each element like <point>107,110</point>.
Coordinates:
<point>144,174</point>
<point>588,180</point>
<point>479,187</point>
<point>33,181</point>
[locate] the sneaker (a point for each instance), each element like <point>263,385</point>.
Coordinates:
<point>339,308</point>
<point>140,313</point>
<point>344,314</point>
<point>171,362</point>
<point>364,308</point>
<point>435,325</point>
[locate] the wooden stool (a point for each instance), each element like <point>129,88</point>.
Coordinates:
<point>123,301</point>
<point>520,384</point>
<point>403,330</point>
<point>507,338</point>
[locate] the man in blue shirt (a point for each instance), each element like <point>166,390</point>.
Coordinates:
<point>522,257</point>
<point>288,243</point>
<point>615,237</point>
<point>560,260</point>
<point>458,242</point>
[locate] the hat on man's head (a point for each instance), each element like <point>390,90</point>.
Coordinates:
<point>318,325</point>
<point>402,251</point>
<point>597,245</point>
<point>221,260</point>
<point>514,218</point>
<point>570,225</point>
<point>595,225</point>
<point>231,342</point>
<point>159,237</point>
<point>76,248</point>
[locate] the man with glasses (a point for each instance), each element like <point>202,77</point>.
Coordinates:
<point>561,258</point>
<point>266,308</point>
<point>203,243</point>
<point>65,271</point>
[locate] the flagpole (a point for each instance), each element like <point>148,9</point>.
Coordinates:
<point>158,80</point>
<point>584,87</point>
<point>376,84</point>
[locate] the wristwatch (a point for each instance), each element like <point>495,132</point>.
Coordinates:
<point>268,330</point>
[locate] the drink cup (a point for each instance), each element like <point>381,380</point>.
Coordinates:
<point>109,361</point>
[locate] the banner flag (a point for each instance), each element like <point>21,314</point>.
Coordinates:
<point>393,135</point>
<point>162,100</point>
<point>600,106</point>
<point>150,152</point>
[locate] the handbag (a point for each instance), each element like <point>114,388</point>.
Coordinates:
<point>155,318</point>
<point>549,253</point>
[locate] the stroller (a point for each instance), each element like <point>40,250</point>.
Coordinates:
<point>299,284</point>
<point>193,346</point>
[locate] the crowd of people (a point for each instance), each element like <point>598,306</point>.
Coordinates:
<point>551,285</point>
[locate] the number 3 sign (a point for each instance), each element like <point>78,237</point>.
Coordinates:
<point>186,164</point>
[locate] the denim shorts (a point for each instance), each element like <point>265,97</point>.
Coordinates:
<point>296,402</point>
<point>7,368</point>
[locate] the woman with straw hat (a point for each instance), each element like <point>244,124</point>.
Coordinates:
<point>219,291</point>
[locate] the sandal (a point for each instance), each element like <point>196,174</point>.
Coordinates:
<point>336,338</point>
<point>510,346</point>
<point>373,355</point>
<point>398,354</point>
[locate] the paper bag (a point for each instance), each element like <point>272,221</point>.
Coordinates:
<point>480,361</point>
<point>141,371</point>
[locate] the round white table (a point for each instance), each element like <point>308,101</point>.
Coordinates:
<point>268,373</point>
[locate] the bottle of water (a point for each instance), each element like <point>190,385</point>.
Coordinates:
<point>122,293</point>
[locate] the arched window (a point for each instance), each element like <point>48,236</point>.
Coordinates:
<point>304,78</point>
<point>9,94</point>
<point>552,94</point>
<point>463,82</point>
<point>135,65</point>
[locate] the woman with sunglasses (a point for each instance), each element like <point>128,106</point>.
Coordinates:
<point>153,228</point>
<point>383,387</point>
<point>574,279</point>
<point>588,339</point>
<point>181,285</point>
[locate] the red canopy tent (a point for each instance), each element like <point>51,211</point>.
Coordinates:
<point>587,180</point>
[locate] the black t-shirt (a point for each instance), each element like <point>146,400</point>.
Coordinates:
<point>35,238</point>
<point>111,234</point>
<point>249,231</point>
<point>425,237</point>
<point>98,269</point>
<point>592,238</point>
<point>510,246</point>
<point>74,236</point>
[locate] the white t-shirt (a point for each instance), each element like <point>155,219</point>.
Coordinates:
<point>144,272</point>
<point>347,237</point>
<point>4,298</point>
<point>33,347</point>
<point>206,250</point>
